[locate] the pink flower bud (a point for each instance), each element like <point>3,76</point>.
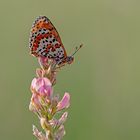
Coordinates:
<point>42,86</point>
<point>63,118</point>
<point>60,133</point>
<point>64,103</point>
<point>39,135</point>
<point>35,102</point>
<point>54,122</point>
<point>40,72</point>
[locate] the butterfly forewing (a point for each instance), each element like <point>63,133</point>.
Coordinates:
<point>45,41</point>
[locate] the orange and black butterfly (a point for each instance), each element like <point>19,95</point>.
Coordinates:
<point>45,42</point>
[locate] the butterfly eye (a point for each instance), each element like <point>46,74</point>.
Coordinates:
<point>69,59</point>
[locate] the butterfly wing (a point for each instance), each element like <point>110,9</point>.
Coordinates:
<point>45,41</point>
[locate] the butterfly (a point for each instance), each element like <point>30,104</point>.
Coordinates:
<point>45,42</point>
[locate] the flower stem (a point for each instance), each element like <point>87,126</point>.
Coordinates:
<point>50,135</point>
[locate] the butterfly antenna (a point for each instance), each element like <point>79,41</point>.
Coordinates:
<point>77,49</point>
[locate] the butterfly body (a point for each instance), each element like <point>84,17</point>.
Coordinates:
<point>46,42</point>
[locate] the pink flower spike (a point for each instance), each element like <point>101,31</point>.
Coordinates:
<point>64,103</point>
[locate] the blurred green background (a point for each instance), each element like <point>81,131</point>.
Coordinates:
<point>104,81</point>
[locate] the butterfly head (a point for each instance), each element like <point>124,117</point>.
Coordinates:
<point>69,59</point>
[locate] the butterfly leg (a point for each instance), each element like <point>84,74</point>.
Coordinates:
<point>60,66</point>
